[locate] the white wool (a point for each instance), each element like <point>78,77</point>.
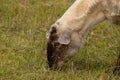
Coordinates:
<point>86,13</point>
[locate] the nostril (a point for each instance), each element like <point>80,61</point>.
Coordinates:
<point>50,65</point>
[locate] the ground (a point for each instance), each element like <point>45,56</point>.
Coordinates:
<point>23,26</point>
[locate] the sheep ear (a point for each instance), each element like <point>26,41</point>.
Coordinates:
<point>64,38</point>
<point>47,36</point>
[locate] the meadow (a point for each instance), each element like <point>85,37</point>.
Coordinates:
<point>23,26</point>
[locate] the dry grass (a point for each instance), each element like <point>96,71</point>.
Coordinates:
<point>23,25</point>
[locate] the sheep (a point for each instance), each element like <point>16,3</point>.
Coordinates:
<point>65,35</point>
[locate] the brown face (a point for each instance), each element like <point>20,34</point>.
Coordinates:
<point>55,54</point>
<point>60,47</point>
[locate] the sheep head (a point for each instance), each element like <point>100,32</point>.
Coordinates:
<point>62,44</point>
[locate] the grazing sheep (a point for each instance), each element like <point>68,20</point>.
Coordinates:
<point>65,35</point>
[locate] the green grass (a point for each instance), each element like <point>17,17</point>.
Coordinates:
<point>23,25</point>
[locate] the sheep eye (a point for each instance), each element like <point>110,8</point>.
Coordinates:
<point>57,44</point>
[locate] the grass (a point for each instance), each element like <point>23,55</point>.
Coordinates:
<point>23,25</point>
